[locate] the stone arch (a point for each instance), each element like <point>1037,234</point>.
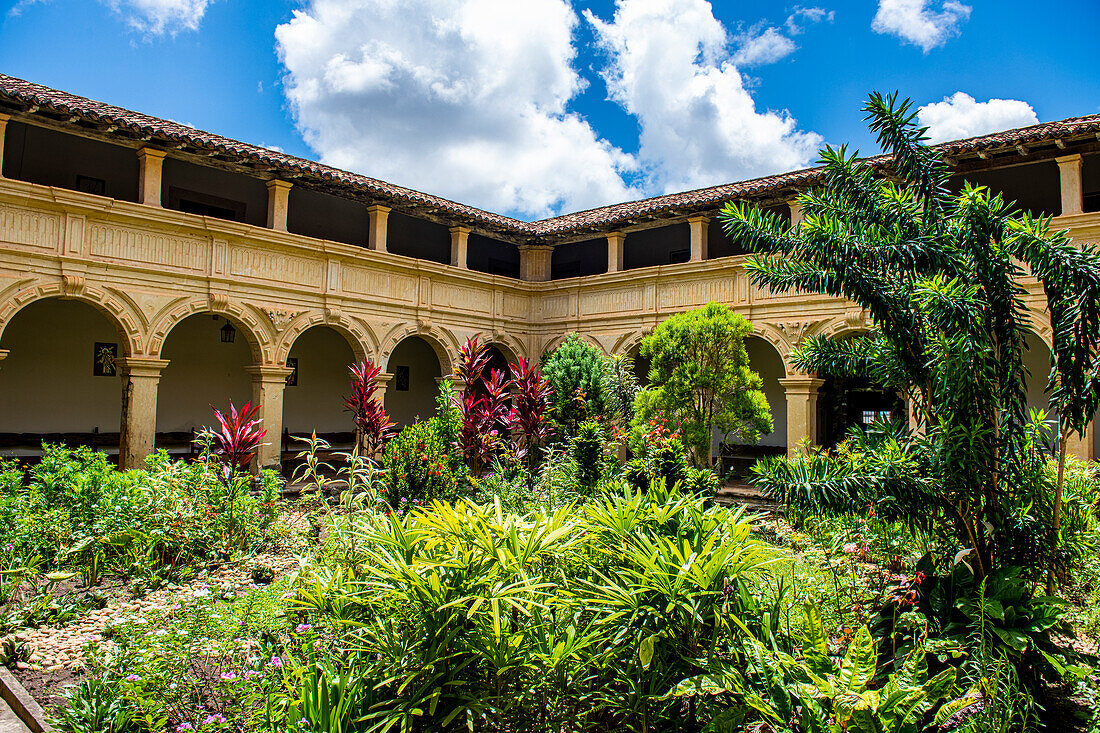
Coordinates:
<point>442,342</point>
<point>560,339</point>
<point>629,342</point>
<point>357,337</point>
<point>850,324</point>
<point>245,319</point>
<point>774,338</point>
<point>511,348</point>
<point>117,310</point>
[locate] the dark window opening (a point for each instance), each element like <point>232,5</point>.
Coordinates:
<point>1092,201</point>
<point>401,378</point>
<point>501,267</point>
<point>679,255</point>
<point>87,184</point>
<point>567,269</point>
<point>195,202</point>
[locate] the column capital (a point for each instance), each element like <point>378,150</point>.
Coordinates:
<point>378,227</point>
<point>1069,159</point>
<point>615,241</point>
<point>459,237</point>
<point>1070,179</point>
<point>140,366</point>
<point>151,153</point>
<point>279,184</point>
<point>4,353</point>
<point>269,373</point>
<point>802,383</point>
<point>4,118</point>
<point>378,209</point>
<point>460,230</point>
<point>698,219</point>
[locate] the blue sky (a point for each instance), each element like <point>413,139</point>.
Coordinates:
<point>537,107</point>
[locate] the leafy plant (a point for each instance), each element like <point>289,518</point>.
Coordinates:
<point>701,380</point>
<point>573,371</point>
<point>529,418</point>
<point>484,406</point>
<point>372,425</point>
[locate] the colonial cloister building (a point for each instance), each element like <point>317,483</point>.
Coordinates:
<point>149,270</point>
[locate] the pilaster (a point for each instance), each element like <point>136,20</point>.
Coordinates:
<point>615,242</point>
<point>379,227</point>
<point>698,226</point>
<point>459,238</point>
<point>802,392</point>
<point>151,167</point>
<point>278,204</point>
<point>140,384</point>
<point>534,262</point>
<point>1069,172</point>
<point>1083,447</point>
<point>3,129</point>
<point>268,385</point>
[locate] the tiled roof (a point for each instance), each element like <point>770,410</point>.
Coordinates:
<point>25,93</point>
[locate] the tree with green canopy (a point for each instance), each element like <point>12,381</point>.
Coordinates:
<point>940,274</point>
<point>701,380</point>
<point>573,371</point>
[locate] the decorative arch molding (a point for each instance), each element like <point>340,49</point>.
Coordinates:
<point>360,341</point>
<point>247,318</point>
<point>785,336</point>
<point>508,344</point>
<point>558,340</point>
<point>850,324</point>
<point>628,342</point>
<point>118,310</point>
<point>1041,327</point>
<point>442,341</point>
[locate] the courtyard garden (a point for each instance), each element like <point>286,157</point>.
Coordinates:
<point>551,550</point>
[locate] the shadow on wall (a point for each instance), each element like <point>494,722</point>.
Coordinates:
<point>412,390</point>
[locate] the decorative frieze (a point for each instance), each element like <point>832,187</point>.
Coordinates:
<point>29,227</point>
<point>146,247</point>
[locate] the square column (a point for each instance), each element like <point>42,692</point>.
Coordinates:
<point>268,385</point>
<point>151,166</point>
<point>698,226</point>
<point>278,204</point>
<point>796,212</point>
<point>802,393</point>
<point>459,238</point>
<point>615,251</point>
<point>140,383</point>
<point>1083,447</point>
<point>534,262</point>
<point>379,227</point>
<point>3,129</point>
<point>1069,171</point>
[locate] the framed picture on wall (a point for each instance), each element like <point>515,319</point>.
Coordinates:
<point>292,378</point>
<point>103,360</point>
<point>401,379</point>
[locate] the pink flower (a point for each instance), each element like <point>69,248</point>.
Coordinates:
<point>184,726</point>
<point>216,718</point>
<point>132,678</point>
<point>229,676</point>
<point>850,548</point>
<point>303,628</point>
<point>276,662</point>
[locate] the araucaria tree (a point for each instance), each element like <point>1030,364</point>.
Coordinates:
<point>940,274</point>
<point>573,371</point>
<point>701,380</point>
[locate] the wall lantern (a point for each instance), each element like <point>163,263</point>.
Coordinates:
<point>228,333</point>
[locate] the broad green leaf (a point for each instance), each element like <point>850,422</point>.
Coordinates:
<point>860,662</point>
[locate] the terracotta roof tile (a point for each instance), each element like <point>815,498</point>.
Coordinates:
<point>28,93</point>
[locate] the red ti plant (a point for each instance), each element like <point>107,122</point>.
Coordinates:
<point>529,418</point>
<point>483,405</point>
<point>238,437</point>
<point>372,424</point>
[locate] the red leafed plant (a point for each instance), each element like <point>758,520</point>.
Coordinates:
<point>372,424</point>
<point>529,418</point>
<point>484,406</point>
<point>238,437</point>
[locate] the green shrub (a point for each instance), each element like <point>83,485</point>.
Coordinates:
<point>574,372</point>
<point>417,464</point>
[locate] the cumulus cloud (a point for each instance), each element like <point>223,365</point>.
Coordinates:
<point>919,22</point>
<point>464,98</point>
<point>765,47</point>
<point>157,17</point>
<point>670,66</point>
<point>960,116</point>
<point>797,21</point>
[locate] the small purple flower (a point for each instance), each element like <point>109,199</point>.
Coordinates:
<point>276,662</point>
<point>9,547</point>
<point>133,678</point>
<point>303,628</point>
<point>216,718</point>
<point>184,726</point>
<point>229,676</point>
<point>252,673</point>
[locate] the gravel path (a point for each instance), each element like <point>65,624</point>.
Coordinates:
<point>54,649</point>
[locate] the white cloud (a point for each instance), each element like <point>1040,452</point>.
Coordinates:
<point>157,17</point>
<point>796,21</point>
<point>463,98</point>
<point>670,66</point>
<point>765,47</point>
<point>918,22</point>
<point>960,116</point>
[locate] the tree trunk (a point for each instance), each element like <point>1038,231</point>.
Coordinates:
<point>1056,524</point>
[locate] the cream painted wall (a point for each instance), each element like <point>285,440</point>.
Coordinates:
<point>418,356</point>
<point>1037,361</point>
<point>46,382</point>
<point>317,402</point>
<point>202,371</point>
<point>766,361</point>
